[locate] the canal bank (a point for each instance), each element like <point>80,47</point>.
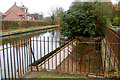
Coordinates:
<point>39,32</point>
<point>26,31</point>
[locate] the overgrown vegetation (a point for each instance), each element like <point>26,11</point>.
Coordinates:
<point>86,19</point>
<point>25,24</point>
<point>116,18</point>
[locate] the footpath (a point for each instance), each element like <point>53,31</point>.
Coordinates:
<point>26,30</point>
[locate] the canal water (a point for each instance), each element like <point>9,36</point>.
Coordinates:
<point>24,51</point>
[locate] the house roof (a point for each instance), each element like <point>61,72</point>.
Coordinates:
<point>12,13</point>
<point>16,10</point>
<point>23,7</point>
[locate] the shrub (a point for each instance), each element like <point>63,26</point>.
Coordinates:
<point>23,24</point>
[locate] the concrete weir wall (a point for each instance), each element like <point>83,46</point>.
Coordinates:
<point>108,59</point>
<point>26,31</point>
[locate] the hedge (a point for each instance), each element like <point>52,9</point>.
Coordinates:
<point>23,24</point>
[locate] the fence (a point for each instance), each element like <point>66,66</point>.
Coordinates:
<point>36,54</point>
<point>113,39</point>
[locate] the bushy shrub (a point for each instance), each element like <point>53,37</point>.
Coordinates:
<point>23,24</point>
<point>86,19</point>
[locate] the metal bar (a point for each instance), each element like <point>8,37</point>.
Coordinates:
<point>68,56</point>
<point>31,54</point>
<point>37,45</point>
<point>62,41</point>
<point>114,66</point>
<point>80,63</point>
<point>20,58</point>
<point>55,48</point>
<point>60,56</point>
<point>11,61</point>
<point>44,52</point>
<point>8,62</point>
<point>89,64</point>
<point>118,70</point>
<point>85,64</point>
<point>76,57</point>
<point>4,61</point>
<point>25,55</point>
<point>48,53</point>
<point>40,50</point>
<point>105,59</point>
<point>109,66</point>
<point>72,54</point>
<point>14,60</point>
<point>17,59</point>
<point>64,57</point>
<point>33,44</point>
<point>52,50</point>
<point>99,69</point>
<point>75,42</point>
<point>27,51</point>
<point>37,51</point>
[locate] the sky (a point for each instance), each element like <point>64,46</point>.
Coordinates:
<point>37,6</point>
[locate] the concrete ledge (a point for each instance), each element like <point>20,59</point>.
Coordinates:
<point>22,32</point>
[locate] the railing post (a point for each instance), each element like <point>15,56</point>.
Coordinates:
<point>17,58</point>
<point>37,51</point>
<point>44,53</point>
<point>11,60</point>
<point>68,56</point>
<point>105,60</point>
<point>76,56</point>
<point>22,55</point>
<point>8,62</point>
<point>55,48</point>
<point>40,50</point>
<point>4,61</point>
<point>20,58</point>
<point>64,57</point>
<point>14,60</point>
<point>52,50</point>
<point>118,69</point>
<point>25,55</point>
<point>48,53</point>
<point>31,54</point>
<point>72,54</point>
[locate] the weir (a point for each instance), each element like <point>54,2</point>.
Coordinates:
<point>54,54</point>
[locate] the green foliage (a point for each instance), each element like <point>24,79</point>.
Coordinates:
<point>85,19</point>
<point>116,21</point>
<point>53,17</point>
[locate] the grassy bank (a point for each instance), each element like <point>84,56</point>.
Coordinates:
<point>24,29</point>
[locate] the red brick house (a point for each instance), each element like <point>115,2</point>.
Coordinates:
<point>16,13</point>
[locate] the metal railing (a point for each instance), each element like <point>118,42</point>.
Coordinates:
<point>36,54</point>
<point>113,39</point>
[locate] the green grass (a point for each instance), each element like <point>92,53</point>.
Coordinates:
<point>61,77</point>
<point>115,29</point>
<point>114,26</point>
<point>24,29</point>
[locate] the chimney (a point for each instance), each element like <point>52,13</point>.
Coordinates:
<point>15,3</point>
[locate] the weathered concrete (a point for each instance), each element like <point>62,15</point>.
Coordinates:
<point>56,58</point>
<point>109,62</point>
<point>22,32</point>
